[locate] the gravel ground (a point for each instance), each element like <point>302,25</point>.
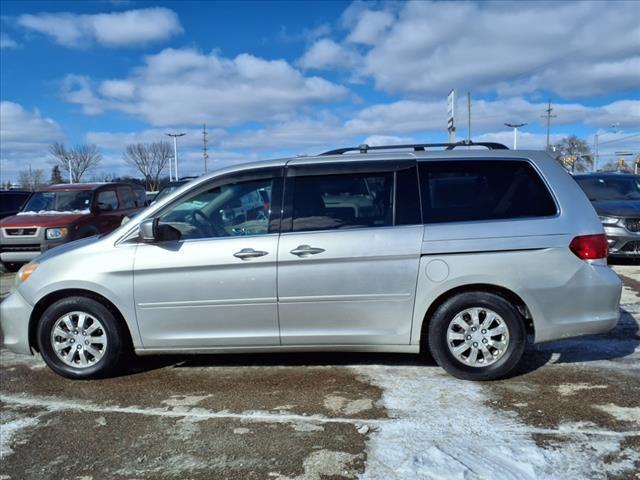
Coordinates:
<point>572,411</point>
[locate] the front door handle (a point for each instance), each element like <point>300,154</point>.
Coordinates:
<point>306,250</point>
<point>247,253</point>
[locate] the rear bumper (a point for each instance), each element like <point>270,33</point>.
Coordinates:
<point>588,303</point>
<point>15,313</point>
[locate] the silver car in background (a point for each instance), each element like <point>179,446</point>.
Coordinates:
<point>462,252</point>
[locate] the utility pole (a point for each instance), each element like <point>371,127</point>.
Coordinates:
<point>469,117</point>
<point>175,150</point>
<point>548,116</point>
<point>205,155</point>
<point>515,127</point>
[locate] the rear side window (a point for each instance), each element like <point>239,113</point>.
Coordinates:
<point>127,200</point>
<point>342,201</point>
<point>462,191</point>
<point>107,200</point>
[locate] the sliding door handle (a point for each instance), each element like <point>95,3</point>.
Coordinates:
<point>247,253</point>
<point>306,250</point>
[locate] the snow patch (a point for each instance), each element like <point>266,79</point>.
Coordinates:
<point>321,464</point>
<point>184,400</point>
<point>343,405</point>
<point>85,211</point>
<point>9,429</point>
<point>570,388</point>
<point>623,414</point>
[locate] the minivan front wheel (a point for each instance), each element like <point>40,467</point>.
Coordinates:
<point>78,337</point>
<point>477,336</point>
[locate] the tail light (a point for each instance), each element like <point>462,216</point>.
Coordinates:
<point>590,247</point>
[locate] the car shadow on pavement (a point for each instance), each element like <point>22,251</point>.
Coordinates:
<point>615,345</point>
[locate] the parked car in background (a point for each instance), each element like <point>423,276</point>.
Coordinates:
<point>464,253</point>
<point>616,199</point>
<point>62,213</point>
<point>11,201</point>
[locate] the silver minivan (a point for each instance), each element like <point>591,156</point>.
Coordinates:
<point>463,252</point>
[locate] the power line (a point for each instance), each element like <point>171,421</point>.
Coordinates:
<point>620,139</point>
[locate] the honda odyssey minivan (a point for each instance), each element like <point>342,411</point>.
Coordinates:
<point>466,253</point>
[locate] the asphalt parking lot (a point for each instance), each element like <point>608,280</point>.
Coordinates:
<point>571,411</point>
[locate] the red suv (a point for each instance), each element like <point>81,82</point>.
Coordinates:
<point>62,213</point>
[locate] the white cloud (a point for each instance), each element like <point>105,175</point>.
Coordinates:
<point>7,42</point>
<point>426,48</point>
<point>325,53</point>
<point>116,29</point>
<point>186,87</point>
<point>25,137</point>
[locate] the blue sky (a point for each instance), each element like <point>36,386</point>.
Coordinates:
<point>282,78</point>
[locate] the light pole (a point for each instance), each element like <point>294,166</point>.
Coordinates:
<point>175,151</point>
<point>515,127</point>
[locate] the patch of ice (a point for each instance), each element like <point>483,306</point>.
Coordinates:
<point>184,400</point>
<point>307,427</point>
<point>241,431</point>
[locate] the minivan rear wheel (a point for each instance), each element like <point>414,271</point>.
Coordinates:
<point>80,338</point>
<point>477,336</point>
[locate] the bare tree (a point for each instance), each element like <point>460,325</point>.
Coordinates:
<point>76,161</point>
<point>31,179</point>
<point>150,159</point>
<point>573,153</point>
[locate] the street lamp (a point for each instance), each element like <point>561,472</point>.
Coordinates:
<point>175,151</point>
<point>515,127</point>
<point>596,136</point>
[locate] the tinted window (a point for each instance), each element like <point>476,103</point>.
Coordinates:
<point>236,209</point>
<point>107,200</point>
<point>342,201</point>
<point>11,201</point>
<point>599,188</point>
<point>459,191</point>
<point>127,200</point>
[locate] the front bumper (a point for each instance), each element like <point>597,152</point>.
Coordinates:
<point>622,242</point>
<point>24,248</point>
<point>15,312</point>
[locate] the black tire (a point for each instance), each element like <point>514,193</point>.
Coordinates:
<point>437,336</point>
<point>116,347</point>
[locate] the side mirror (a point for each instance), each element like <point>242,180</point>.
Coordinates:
<point>148,230</point>
<point>152,231</point>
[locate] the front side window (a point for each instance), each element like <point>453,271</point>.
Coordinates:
<point>127,200</point>
<point>235,209</point>
<point>475,190</point>
<point>326,202</point>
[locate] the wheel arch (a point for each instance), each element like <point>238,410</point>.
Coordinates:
<point>52,297</point>
<point>503,292</point>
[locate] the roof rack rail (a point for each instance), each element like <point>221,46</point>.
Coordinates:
<point>417,147</point>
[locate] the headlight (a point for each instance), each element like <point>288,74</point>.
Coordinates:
<point>24,273</point>
<point>55,233</point>
<point>609,220</point>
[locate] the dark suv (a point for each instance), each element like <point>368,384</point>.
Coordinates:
<point>616,198</point>
<point>61,213</point>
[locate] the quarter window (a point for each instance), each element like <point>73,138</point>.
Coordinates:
<point>342,201</point>
<point>235,209</point>
<point>460,191</point>
<point>127,200</point>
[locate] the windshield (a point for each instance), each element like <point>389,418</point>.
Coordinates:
<point>598,189</point>
<point>58,202</point>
